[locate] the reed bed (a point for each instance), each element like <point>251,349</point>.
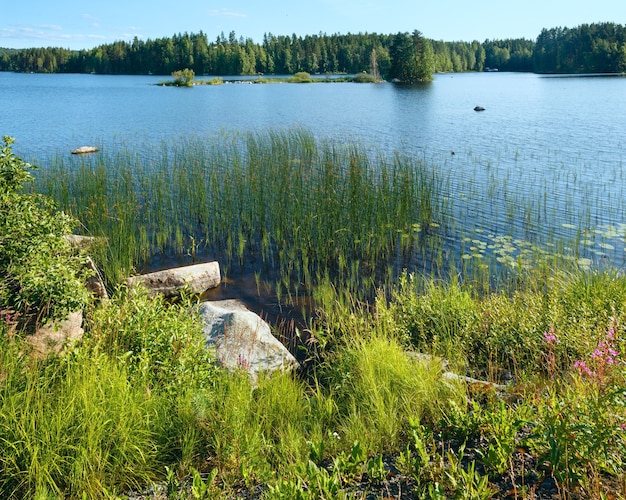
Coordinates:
<point>298,209</point>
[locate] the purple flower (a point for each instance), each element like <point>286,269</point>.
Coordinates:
<point>550,337</point>
<point>583,369</point>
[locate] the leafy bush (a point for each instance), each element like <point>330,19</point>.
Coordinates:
<point>41,275</point>
<point>184,77</point>
<point>159,341</point>
<point>301,77</point>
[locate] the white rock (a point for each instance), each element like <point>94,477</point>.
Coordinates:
<point>242,339</point>
<point>84,150</point>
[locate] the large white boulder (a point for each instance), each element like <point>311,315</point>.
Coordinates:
<point>242,340</point>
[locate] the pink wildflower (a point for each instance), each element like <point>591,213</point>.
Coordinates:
<point>583,369</point>
<point>550,337</point>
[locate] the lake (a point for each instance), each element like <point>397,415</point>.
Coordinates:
<point>544,159</point>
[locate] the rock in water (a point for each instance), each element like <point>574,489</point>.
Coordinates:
<point>84,150</point>
<point>195,279</point>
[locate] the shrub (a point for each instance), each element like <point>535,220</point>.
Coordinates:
<point>160,341</point>
<point>365,78</point>
<point>301,77</point>
<point>41,275</point>
<point>183,77</point>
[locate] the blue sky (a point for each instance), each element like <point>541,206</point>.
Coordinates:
<point>78,24</point>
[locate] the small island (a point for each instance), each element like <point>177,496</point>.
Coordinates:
<point>186,78</point>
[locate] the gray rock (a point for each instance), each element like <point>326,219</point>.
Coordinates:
<point>242,339</point>
<point>55,336</point>
<point>197,278</point>
<point>95,282</point>
<point>84,242</point>
<point>474,381</point>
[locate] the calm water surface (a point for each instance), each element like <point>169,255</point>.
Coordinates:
<point>546,149</point>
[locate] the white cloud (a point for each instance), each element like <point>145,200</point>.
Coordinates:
<point>39,32</point>
<point>51,27</point>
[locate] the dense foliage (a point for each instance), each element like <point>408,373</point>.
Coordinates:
<point>391,56</point>
<point>588,48</point>
<point>39,273</point>
<point>224,56</point>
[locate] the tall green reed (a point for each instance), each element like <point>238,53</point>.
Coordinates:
<point>300,206</point>
<point>295,208</point>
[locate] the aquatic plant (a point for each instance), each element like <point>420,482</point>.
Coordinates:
<point>299,207</point>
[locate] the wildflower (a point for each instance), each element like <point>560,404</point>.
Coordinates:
<point>5,316</point>
<point>242,362</point>
<point>551,340</point>
<point>603,357</point>
<point>583,369</point>
<point>550,337</point>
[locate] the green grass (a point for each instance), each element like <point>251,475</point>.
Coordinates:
<point>140,399</point>
<point>378,387</point>
<point>297,210</point>
<point>78,428</point>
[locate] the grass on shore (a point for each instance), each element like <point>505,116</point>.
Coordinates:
<point>140,399</point>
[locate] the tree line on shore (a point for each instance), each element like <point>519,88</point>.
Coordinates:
<point>588,48</point>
